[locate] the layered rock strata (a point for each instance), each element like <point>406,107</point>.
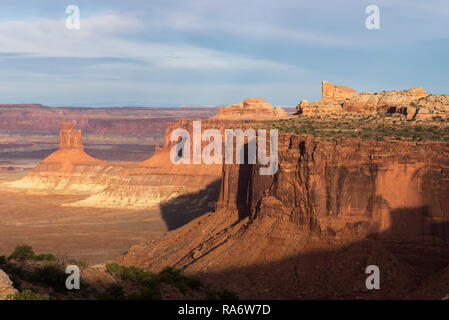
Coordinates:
<point>139,184</point>
<point>116,184</point>
<point>251,109</point>
<point>310,230</point>
<point>414,103</point>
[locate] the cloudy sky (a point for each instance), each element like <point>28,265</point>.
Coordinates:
<point>184,52</point>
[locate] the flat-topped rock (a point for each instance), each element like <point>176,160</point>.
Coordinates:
<point>251,109</point>
<point>345,99</point>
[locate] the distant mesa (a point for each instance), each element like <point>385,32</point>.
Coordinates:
<point>344,99</point>
<point>251,109</point>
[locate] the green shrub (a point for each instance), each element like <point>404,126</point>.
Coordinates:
<point>52,275</point>
<point>3,260</point>
<point>131,273</point>
<point>82,264</point>
<point>22,252</point>
<point>175,277</point>
<point>28,295</point>
<point>45,257</point>
<point>222,295</point>
<point>25,252</point>
<point>149,293</point>
<point>114,292</point>
<point>151,282</point>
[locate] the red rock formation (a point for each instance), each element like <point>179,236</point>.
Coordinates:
<point>336,94</point>
<point>120,184</point>
<point>69,138</point>
<point>337,99</point>
<point>381,101</point>
<point>333,208</point>
<point>250,109</point>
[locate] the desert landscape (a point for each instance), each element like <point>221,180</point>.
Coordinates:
<point>224,159</point>
<point>362,179</point>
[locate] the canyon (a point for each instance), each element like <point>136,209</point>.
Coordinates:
<point>334,206</point>
<point>332,209</point>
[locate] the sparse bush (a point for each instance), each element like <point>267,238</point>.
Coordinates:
<point>149,293</point>
<point>28,295</point>
<point>175,277</point>
<point>151,282</point>
<point>45,257</point>
<point>82,264</point>
<point>222,295</point>
<point>24,252</point>
<point>52,275</point>
<point>114,292</point>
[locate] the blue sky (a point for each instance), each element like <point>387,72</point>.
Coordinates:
<point>184,52</point>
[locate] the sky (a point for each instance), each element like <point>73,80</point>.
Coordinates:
<point>167,53</point>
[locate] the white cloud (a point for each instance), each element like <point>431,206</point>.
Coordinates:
<point>106,36</point>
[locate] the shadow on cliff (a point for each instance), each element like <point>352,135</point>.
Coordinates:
<point>183,209</point>
<point>407,253</point>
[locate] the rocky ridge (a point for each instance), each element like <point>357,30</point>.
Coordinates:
<point>414,103</point>
<point>251,109</point>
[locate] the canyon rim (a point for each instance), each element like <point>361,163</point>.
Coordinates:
<point>362,180</point>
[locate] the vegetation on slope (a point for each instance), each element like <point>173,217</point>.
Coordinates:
<point>378,126</point>
<point>43,277</point>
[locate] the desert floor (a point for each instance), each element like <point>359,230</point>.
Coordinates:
<point>91,234</point>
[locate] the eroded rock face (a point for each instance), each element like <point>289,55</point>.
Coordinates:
<point>332,208</point>
<point>251,109</point>
<point>336,94</point>
<point>6,286</point>
<point>69,137</point>
<point>337,99</point>
<point>381,101</point>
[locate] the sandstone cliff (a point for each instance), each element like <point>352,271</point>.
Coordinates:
<point>251,109</point>
<point>414,103</point>
<point>310,230</point>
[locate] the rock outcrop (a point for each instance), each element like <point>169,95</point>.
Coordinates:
<point>6,286</point>
<point>336,94</point>
<point>251,109</point>
<point>337,99</point>
<point>309,231</point>
<point>69,137</point>
<point>381,101</point>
